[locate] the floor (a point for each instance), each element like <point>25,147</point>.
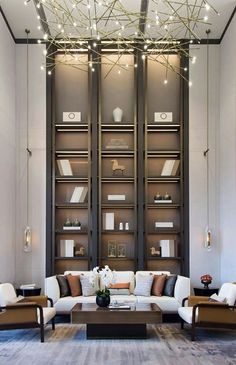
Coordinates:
<point>167,345</point>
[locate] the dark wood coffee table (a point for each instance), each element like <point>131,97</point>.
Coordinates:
<point>116,323</point>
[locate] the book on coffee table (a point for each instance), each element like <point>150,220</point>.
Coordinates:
<point>119,307</point>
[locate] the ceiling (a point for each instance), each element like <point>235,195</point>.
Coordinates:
<point>21,17</point>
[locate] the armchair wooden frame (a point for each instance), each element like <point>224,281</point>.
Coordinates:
<point>29,307</point>
<point>223,311</point>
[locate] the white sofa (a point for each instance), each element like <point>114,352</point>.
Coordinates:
<point>167,304</point>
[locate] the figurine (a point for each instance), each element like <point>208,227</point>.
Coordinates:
<point>80,251</point>
<point>157,197</point>
<point>155,252</point>
<point>167,197</point>
<point>67,223</point>
<point>117,114</point>
<point>77,224</point>
<point>117,167</point>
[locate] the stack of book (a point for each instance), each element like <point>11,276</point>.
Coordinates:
<point>64,167</point>
<point>167,248</point>
<point>170,168</point>
<point>27,286</point>
<point>108,221</point>
<point>79,194</point>
<point>67,248</point>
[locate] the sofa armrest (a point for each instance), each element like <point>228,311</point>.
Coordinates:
<point>52,289</point>
<point>182,288</point>
<point>195,299</point>
<point>214,312</point>
<point>20,313</point>
<point>39,299</point>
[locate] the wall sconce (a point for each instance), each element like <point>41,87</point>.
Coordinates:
<point>27,239</point>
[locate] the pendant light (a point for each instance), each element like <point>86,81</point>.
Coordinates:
<point>208,235</point>
<point>27,231</point>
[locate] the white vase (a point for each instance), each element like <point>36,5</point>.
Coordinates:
<point>117,114</point>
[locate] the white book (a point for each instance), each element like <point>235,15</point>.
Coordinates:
<point>167,248</point>
<point>163,117</point>
<point>116,197</point>
<point>71,228</point>
<point>163,201</point>
<point>67,248</point>
<point>108,221</point>
<point>76,194</point>
<point>167,168</point>
<point>83,194</point>
<point>64,167</point>
<point>175,169</point>
<point>164,224</point>
<point>27,286</point>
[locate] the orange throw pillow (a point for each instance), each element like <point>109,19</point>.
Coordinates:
<point>74,284</point>
<point>158,285</point>
<point>119,286</point>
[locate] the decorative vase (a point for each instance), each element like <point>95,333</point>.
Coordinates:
<point>206,283</point>
<point>117,114</point>
<point>103,301</point>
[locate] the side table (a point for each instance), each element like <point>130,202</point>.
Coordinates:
<point>205,292</point>
<point>28,292</point>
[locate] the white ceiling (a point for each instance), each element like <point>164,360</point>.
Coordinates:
<point>21,17</point>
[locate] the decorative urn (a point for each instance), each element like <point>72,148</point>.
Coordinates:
<point>117,114</point>
<point>206,280</point>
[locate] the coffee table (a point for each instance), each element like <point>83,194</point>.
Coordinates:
<point>116,323</point>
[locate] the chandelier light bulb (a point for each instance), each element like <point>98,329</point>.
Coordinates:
<point>207,6</point>
<point>165,81</point>
<point>205,18</point>
<point>190,84</point>
<point>49,72</point>
<point>39,41</point>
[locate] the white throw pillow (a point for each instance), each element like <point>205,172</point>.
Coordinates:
<point>89,285</point>
<point>143,285</point>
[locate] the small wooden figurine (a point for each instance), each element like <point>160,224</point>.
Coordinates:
<point>117,167</point>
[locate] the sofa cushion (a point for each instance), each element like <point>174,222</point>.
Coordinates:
<point>166,304</point>
<point>63,285</point>
<point>122,277</point>
<point>48,314</point>
<point>158,285</point>
<point>228,291</point>
<point>186,314</point>
<point>119,286</point>
<point>182,288</point>
<point>170,285</point>
<point>143,285</point>
<point>89,287</point>
<point>52,289</point>
<point>7,294</point>
<point>74,284</point>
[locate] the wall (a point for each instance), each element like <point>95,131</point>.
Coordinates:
<point>30,267</point>
<point>201,260</point>
<point>7,154</point>
<point>227,153</point>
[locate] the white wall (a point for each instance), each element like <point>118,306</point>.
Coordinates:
<point>201,260</point>
<point>7,155</point>
<point>227,152</point>
<point>30,267</point>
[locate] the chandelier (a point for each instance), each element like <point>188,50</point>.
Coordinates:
<point>151,28</point>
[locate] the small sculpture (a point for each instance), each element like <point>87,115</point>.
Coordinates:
<point>117,114</point>
<point>155,252</point>
<point>117,167</point>
<point>80,251</point>
<point>68,223</point>
<point>77,224</point>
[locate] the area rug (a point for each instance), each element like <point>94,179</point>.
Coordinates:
<point>167,344</point>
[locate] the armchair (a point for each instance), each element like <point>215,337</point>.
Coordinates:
<point>29,312</point>
<point>202,313</point>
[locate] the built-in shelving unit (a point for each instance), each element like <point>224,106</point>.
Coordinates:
<point>120,163</point>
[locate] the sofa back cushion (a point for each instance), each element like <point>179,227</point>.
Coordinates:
<point>122,277</point>
<point>63,285</point>
<point>169,287</point>
<point>143,285</point>
<point>158,285</point>
<point>7,294</point>
<point>228,291</point>
<point>52,289</point>
<point>182,288</point>
<point>74,284</point>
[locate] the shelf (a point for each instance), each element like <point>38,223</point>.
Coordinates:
<point>72,205</point>
<point>71,127</point>
<point>118,232</point>
<point>164,231</point>
<point>72,258</point>
<point>163,127</point>
<point>117,127</point>
<point>72,153</point>
<point>117,179</point>
<point>117,258</point>
<point>163,258</point>
<point>159,154</point>
<point>70,178</point>
<point>163,179</point>
<point>118,206</point>
<point>117,153</point>
<point>163,206</point>
<point>76,231</point>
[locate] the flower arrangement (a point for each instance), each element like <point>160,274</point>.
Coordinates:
<point>107,277</point>
<point>206,280</point>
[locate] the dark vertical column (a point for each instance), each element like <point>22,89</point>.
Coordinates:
<point>185,165</point>
<point>50,115</point>
<point>94,97</point>
<point>140,156</point>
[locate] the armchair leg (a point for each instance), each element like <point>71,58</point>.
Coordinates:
<point>42,332</point>
<point>182,324</point>
<point>193,333</point>
<point>53,323</point>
